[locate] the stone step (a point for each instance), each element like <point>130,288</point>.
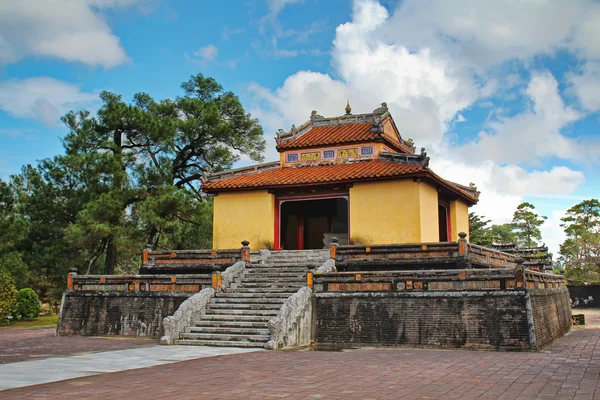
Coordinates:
<point>228,330</point>
<point>293,262</point>
<point>281,256</point>
<point>273,290</point>
<point>276,270</point>
<point>233,311</point>
<point>270,272</point>
<point>272,281</point>
<point>274,275</point>
<point>246,306</point>
<point>219,343</point>
<point>272,285</point>
<point>253,295</point>
<point>231,324</point>
<point>256,299</point>
<point>225,337</point>
<point>233,318</point>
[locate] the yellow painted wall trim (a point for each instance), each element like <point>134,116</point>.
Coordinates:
<point>459,218</point>
<point>247,215</point>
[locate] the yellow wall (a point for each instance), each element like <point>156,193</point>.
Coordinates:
<point>459,218</point>
<point>430,228</point>
<point>388,212</point>
<point>243,216</point>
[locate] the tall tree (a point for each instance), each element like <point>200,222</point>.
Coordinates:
<point>503,233</point>
<point>526,224</point>
<point>129,175</point>
<point>13,231</point>
<point>580,252</point>
<point>153,150</point>
<point>479,231</point>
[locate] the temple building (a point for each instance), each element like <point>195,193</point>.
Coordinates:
<point>353,177</point>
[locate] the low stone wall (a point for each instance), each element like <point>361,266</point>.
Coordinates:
<point>420,256</point>
<point>478,320</point>
<point>495,309</point>
<point>188,261</point>
<point>125,305</point>
<point>551,313</point>
<point>117,313</point>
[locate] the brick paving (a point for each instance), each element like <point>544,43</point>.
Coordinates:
<point>20,344</point>
<point>570,369</point>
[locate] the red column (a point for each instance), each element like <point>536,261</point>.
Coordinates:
<point>300,232</point>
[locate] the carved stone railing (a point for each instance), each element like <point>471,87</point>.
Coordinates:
<point>479,255</point>
<point>292,327</point>
<point>538,280</point>
<point>138,283</point>
<point>177,323</point>
<point>192,261</point>
<point>443,255</point>
<point>327,266</point>
<point>411,281</point>
<point>187,261</point>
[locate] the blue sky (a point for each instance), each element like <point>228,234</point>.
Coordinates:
<point>503,94</point>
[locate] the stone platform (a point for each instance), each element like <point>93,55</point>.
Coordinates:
<point>569,369</point>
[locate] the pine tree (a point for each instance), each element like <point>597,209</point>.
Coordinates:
<point>526,224</point>
<point>580,252</point>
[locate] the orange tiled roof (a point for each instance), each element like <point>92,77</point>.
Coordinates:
<point>328,174</point>
<point>338,134</point>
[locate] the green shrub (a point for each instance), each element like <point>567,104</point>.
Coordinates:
<point>28,304</point>
<point>8,295</point>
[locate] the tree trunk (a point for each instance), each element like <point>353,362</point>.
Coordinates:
<point>153,238</point>
<point>111,256</point>
<point>111,247</point>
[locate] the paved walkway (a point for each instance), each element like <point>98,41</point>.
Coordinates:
<point>570,369</point>
<point>27,373</point>
<point>22,344</point>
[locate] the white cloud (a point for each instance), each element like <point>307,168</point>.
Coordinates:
<point>513,179</point>
<point>207,53</point>
<point>532,134</point>
<point>431,61</point>
<point>71,30</point>
<point>422,91</point>
<point>228,32</point>
<point>586,85</point>
<point>482,33</point>
<point>275,6</point>
<point>552,233</point>
<point>42,98</point>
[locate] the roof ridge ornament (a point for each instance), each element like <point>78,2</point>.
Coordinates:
<point>382,109</point>
<point>405,158</point>
<point>315,115</point>
<point>348,108</point>
<point>423,157</point>
<point>377,126</point>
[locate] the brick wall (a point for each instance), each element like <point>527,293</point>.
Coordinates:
<point>494,320</point>
<point>551,313</point>
<point>117,313</point>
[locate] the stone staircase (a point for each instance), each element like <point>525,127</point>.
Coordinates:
<point>239,316</point>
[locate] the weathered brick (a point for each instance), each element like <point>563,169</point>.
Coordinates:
<point>117,313</point>
<point>551,311</point>
<point>487,320</point>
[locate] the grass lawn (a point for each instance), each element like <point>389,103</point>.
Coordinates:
<point>43,321</point>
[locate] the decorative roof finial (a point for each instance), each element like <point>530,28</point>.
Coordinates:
<point>348,108</point>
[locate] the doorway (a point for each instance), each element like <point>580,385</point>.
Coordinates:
<point>444,222</point>
<point>305,224</point>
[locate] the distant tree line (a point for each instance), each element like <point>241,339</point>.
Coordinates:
<point>129,176</point>
<point>579,255</point>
